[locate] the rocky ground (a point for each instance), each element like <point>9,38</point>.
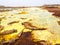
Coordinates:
<point>56,12</point>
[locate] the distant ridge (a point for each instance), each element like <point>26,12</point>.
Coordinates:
<point>1,6</point>
<point>47,5</point>
<point>51,5</point>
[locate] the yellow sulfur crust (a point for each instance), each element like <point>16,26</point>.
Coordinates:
<point>37,17</point>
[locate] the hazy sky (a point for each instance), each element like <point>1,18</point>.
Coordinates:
<point>28,2</point>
